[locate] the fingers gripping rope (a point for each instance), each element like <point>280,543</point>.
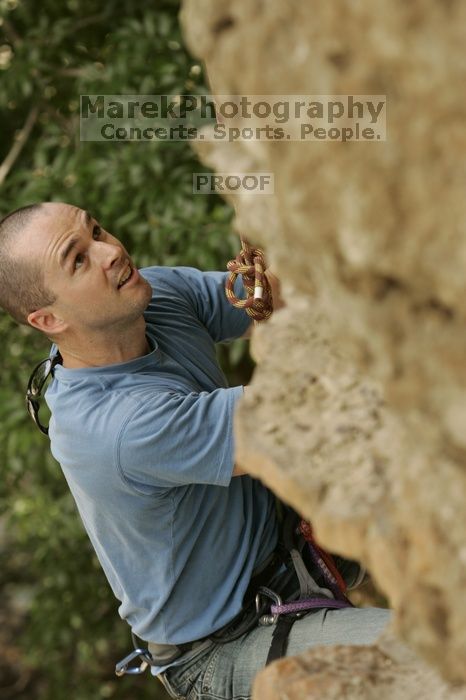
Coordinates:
<point>251,265</point>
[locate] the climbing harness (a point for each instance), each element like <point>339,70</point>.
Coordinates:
<point>298,559</point>
<point>250,263</point>
<point>320,584</point>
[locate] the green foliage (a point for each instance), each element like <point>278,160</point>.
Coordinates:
<point>69,634</point>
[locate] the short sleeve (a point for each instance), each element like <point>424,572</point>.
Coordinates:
<point>206,293</point>
<point>178,439</point>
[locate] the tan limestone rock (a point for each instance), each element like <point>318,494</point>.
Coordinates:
<point>357,409</point>
<point>386,671</point>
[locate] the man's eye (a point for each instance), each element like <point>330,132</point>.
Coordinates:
<point>96,231</point>
<point>78,261</point>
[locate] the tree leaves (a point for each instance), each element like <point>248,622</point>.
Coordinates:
<point>142,192</point>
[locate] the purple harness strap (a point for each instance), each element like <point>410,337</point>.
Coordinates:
<point>308,604</point>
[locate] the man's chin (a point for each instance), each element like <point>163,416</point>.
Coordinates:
<point>139,295</point>
<point>148,294</point>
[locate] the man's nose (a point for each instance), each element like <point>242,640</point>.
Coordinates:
<point>108,254</point>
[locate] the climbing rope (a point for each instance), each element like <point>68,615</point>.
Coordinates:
<point>250,263</point>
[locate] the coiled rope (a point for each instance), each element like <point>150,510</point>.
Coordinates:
<point>250,263</point>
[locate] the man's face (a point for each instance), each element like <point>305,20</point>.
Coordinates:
<point>95,283</point>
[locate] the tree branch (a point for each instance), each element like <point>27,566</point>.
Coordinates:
<point>18,143</point>
<point>87,22</point>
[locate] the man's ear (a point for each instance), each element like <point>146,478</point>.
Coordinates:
<point>46,321</point>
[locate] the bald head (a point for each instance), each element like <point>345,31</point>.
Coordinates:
<point>22,288</point>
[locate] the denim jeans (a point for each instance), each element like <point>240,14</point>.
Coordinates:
<point>226,671</point>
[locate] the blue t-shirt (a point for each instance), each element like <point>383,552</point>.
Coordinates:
<point>147,449</point>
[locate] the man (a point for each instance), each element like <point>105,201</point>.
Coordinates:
<point>142,428</point>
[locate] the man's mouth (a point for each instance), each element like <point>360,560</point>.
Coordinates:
<point>126,276</point>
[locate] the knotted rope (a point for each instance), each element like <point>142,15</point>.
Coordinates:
<point>251,265</point>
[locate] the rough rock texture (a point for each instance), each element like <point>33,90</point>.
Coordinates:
<point>386,671</point>
<point>357,411</point>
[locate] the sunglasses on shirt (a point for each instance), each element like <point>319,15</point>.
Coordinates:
<point>36,384</point>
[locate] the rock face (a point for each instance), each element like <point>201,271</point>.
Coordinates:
<point>385,671</point>
<point>357,410</point>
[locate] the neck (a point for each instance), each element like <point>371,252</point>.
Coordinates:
<point>105,348</point>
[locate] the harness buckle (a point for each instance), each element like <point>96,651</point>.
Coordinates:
<point>266,620</point>
<point>123,667</point>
